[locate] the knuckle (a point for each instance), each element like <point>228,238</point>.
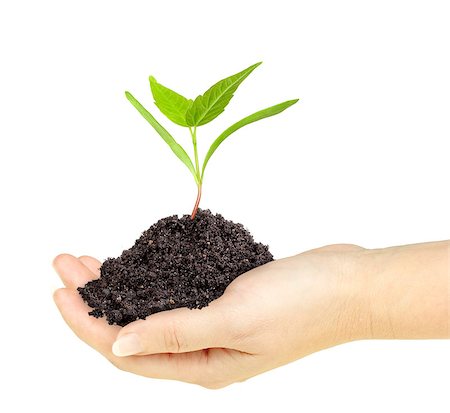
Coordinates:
<point>172,337</point>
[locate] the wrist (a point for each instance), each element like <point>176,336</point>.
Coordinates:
<point>373,267</point>
<point>404,292</point>
<point>364,294</point>
<point>357,294</point>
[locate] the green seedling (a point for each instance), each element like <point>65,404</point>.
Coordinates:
<point>192,114</point>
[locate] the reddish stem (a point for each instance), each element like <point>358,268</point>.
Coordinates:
<point>197,202</point>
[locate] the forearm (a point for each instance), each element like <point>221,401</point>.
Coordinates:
<point>407,291</point>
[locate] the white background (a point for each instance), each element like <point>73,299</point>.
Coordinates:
<point>362,158</point>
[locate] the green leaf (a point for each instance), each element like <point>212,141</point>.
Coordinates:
<point>176,148</point>
<point>170,103</point>
<point>265,113</point>
<point>212,103</point>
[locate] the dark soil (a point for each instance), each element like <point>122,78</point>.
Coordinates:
<point>177,262</point>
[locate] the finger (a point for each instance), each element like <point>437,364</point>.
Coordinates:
<point>92,263</point>
<point>176,331</point>
<point>93,331</point>
<point>99,335</point>
<point>213,368</point>
<point>72,271</point>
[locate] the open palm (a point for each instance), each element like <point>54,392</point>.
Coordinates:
<point>267,317</point>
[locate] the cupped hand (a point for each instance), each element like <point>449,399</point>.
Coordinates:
<point>268,317</point>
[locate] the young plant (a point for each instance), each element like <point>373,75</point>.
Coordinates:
<point>198,112</point>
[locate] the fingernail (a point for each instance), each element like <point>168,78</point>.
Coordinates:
<point>127,345</point>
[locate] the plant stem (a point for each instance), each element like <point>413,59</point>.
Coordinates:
<point>197,171</point>
<point>197,202</point>
<point>194,142</point>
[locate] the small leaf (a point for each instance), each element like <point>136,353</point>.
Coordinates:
<point>176,148</point>
<point>170,103</point>
<point>265,113</point>
<point>212,103</point>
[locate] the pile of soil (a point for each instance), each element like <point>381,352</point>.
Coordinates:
<point>177,262</point>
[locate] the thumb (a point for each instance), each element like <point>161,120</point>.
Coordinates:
<point>176,331</point>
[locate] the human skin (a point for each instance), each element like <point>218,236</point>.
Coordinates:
<point>274,314</point>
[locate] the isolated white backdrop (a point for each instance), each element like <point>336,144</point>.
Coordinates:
<point>362,158</point>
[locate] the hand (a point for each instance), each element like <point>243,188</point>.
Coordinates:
<point>267,317</point>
